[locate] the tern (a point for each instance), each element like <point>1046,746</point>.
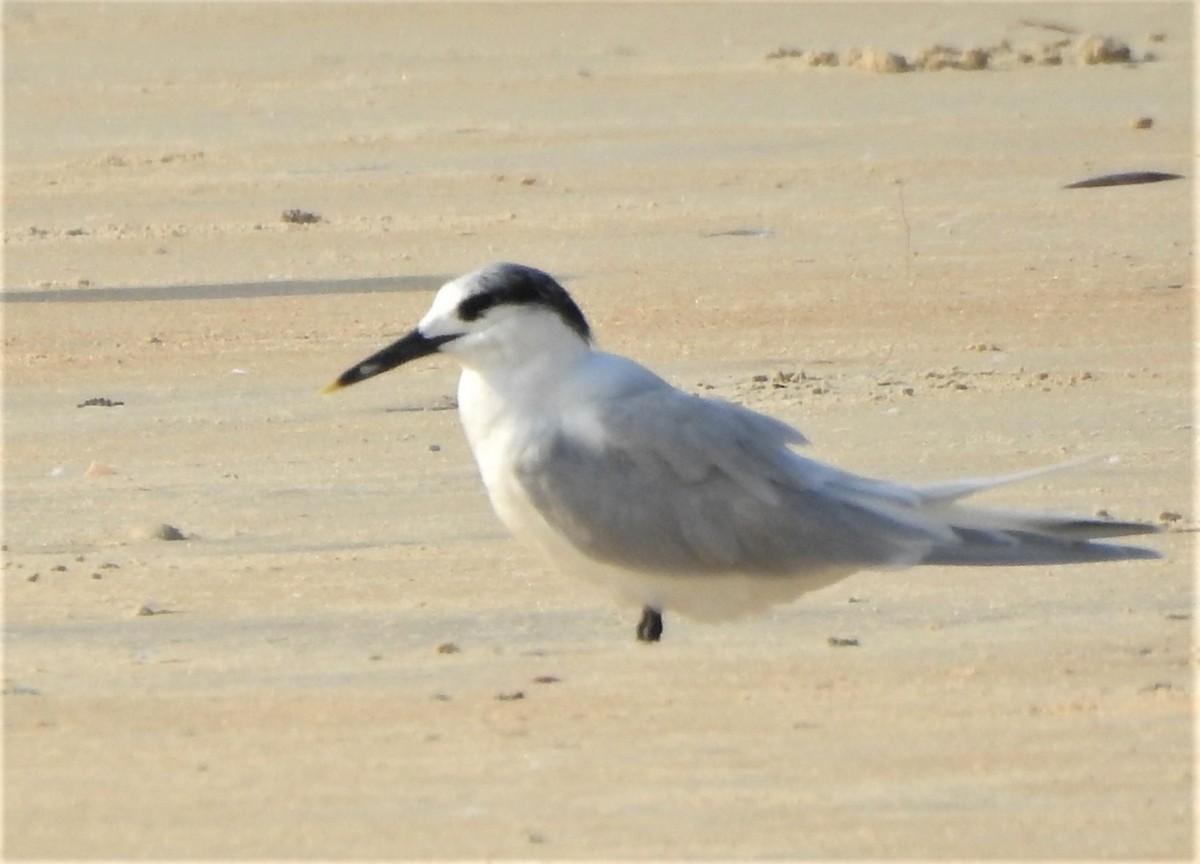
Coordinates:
<point>679,502</point>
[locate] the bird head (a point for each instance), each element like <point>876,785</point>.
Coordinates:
<point>500,315</point>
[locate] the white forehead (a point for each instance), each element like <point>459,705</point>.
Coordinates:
<point>442,317</point>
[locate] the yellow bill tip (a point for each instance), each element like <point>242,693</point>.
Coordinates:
<point>331,387</point>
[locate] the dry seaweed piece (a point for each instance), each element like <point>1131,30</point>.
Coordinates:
<point>300,217</point>
<point>1128,178</point>
<point>102,401</point>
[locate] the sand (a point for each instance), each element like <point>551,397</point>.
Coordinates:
<point>346,657</point>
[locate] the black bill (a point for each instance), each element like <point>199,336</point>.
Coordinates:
<point>412,347</point>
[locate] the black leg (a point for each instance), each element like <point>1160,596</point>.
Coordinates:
<point>649,629</point>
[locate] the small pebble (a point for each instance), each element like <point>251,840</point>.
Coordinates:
<point>784,52</point>
<point>152,608</point>
<point>98,469</point>
<point>160,531</point>
<point>872,60</point>
<point>975,59</point>
<point>1103,49</point>
<point>448,648</point>
<point>1142,123</point>
<point>300,217</point>
<point>819,58</point>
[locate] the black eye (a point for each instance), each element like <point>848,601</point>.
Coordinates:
<point>476,305</point>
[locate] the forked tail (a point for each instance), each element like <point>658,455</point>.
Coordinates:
<point>993,537</point>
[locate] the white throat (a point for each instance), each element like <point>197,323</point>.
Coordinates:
<point>514,373</point>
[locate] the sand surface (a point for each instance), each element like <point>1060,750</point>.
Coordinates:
<point>348,658</point>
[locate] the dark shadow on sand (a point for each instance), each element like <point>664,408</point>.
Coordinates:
<point>233,290</point>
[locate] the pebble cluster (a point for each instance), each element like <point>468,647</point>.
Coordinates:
<point>1078,49</point>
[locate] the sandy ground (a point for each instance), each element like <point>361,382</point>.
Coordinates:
<point>903,240</point>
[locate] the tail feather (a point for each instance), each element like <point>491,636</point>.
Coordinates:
<point>995,537</point>
<point>952,490</point>
<point>980,548</point>
<point>1082,528</point>
<point>1059,526</point>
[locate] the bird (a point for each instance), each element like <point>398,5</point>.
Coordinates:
<point>680,502</point>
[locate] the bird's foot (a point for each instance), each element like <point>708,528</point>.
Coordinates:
<point>650,628</point>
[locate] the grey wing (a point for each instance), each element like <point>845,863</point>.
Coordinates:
<point>668,482</point>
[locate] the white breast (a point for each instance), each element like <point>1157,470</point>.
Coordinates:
<point>498,434</point>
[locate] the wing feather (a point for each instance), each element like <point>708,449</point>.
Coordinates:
<point>676,483</point>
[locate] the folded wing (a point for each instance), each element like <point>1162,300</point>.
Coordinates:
<point>663,481</point>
